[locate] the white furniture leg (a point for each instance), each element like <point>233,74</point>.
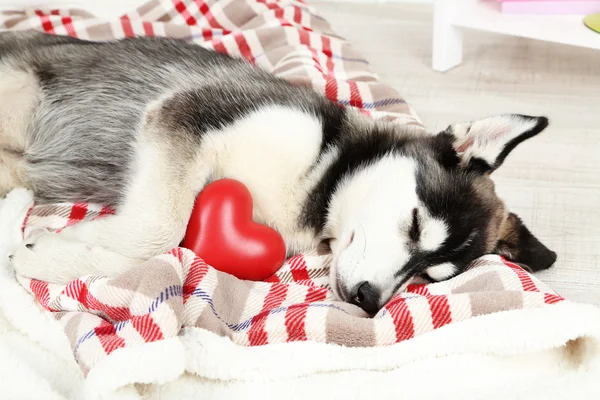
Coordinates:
<point>447,38</point>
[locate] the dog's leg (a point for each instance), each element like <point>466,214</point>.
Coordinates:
<point>48,257</point>
<point>159,198</point>
<point>152,219</point>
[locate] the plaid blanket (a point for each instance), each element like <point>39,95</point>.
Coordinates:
<point>154,301</point>
<point>288,38</point>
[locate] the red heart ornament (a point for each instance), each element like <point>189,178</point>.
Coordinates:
<point>221,231</point>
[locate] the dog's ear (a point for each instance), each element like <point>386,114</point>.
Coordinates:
<point>518,244</point>
<point>483,145</point>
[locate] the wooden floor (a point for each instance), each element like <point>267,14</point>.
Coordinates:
<point>552,181</point>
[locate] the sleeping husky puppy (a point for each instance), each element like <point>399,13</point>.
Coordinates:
<point>144,124</point>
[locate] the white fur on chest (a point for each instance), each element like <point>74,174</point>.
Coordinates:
<point>270,151</point>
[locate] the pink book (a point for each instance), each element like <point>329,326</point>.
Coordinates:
<point>546,1</point>
<point>564,7</point>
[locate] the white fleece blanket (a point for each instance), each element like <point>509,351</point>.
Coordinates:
<point>546,353</point>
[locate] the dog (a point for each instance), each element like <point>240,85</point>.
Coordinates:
<point>144,124</point>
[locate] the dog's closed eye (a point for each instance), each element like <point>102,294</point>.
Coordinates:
<point>324,247</point>
<point>415,228</point>
<point>29,246</point>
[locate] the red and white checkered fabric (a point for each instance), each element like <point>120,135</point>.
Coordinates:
<point>155,300</point>
<point>287,38</point>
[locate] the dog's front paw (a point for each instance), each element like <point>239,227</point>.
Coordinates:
<point>51,258</point>
<point>47,257</point>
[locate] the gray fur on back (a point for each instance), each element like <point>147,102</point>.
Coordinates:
<point>79,145</point>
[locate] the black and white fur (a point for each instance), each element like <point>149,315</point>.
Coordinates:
<point>144,124</point>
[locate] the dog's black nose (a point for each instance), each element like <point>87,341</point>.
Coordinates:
<point>367,297</point>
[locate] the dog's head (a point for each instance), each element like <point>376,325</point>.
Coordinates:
<point>425,205</point>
